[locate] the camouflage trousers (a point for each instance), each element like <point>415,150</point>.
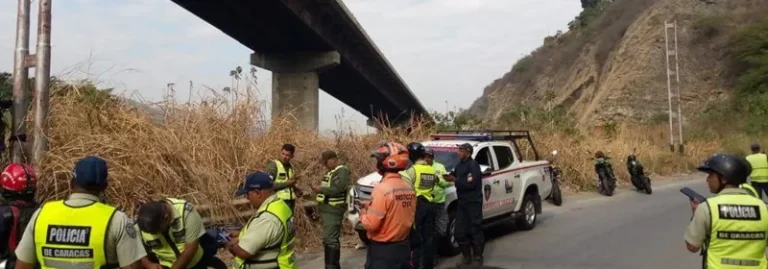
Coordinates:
<point>441,219</point>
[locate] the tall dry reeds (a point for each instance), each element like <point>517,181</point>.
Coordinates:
<point>202,151</point>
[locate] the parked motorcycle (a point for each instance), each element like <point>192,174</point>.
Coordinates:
<point>557,195</point>
<point>606,179</point>
<point>638,177</point>
<point>221,234</point>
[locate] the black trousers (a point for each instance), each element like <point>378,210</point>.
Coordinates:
<point>422,242</point>
<point>760,187</point>
<point>469,224</point>
<point>382,255</point>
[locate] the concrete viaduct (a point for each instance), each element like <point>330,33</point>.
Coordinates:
<point>308,45</point>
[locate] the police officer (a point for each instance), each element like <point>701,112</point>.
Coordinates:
<point>284,174</point>
<point>388,216</point>
<point>173,234</point>
<point>733,224</point>
<point>18,190</point>
<point>441,214</point>
<point>469,212</point>
<point>759,176</point>
<point>423,178</point>
<point>331,201</point>
<point>94,234</point>
<point>267,239</point>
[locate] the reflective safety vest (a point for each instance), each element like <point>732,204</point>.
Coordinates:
<point>281,177</point>
<point>425,180</point>
<point>439,192</point>
<point>751,190</point>
<point>738,232</point>
<point>326,182</point>
<point>279,256</point>
<point>169,245</point>
<point>72,237</point>
<point>759,163</point>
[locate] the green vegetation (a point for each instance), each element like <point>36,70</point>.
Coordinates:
<point>708,27</point>
<point>591,10</point>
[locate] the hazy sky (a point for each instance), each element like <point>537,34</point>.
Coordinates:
<point>445,50</point>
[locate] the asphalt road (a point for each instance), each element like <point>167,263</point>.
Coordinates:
<point>628,230</point>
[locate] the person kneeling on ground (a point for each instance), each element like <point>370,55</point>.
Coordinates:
<point>173,234</point>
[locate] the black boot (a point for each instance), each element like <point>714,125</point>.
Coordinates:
<point>466,252</point>
<point>478,256</point>
<point>335,258</point>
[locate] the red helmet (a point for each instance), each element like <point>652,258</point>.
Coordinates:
<point>18,177</point>
<point>390,157</point>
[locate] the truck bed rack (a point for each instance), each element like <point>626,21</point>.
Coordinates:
<point>489,135</point>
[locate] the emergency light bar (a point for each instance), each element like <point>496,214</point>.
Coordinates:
<point>471,137</point>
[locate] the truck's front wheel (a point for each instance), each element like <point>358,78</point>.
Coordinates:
<point>448,245</point>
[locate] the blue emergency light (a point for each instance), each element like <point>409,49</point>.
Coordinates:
<point>471,137</point>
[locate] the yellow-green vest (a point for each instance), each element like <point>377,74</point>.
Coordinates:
<point>325,183</point>
<point>281,177</point>
<point>279,256</point>
<point>64,238</point>
<point>425,180</point>
<point>168,252</point>
<point>439,192</point>
<point>759,163</point>
<point>751,190</point>
<point>737,236</point>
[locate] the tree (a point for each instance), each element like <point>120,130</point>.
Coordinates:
<point>589,3</point>
<point>6,86</point>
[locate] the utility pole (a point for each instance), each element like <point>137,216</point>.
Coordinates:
<point>676,73</point>
<point>21,65</point>
<point>42,81</point>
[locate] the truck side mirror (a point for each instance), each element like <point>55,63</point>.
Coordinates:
<point>487,171</point>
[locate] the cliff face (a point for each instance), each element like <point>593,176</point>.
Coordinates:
<point>614,67</point>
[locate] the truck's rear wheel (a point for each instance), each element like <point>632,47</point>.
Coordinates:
<point>448,245</point>
<point>527,220</point>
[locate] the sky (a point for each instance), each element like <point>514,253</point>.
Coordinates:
<point>447,51</point>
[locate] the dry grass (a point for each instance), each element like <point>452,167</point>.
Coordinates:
<point>202,151</point>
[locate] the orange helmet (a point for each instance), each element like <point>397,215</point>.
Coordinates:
<point>390,157</point>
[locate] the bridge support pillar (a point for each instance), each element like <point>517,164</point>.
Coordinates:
<point>295,83</point>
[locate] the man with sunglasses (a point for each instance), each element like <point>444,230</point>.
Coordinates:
<point>267,240</point>
<point>18,191</point>
<point>174,236</point>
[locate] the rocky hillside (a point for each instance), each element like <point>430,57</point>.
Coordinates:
<point>610,65</point>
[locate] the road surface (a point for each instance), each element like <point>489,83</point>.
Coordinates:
<point>628,230</point>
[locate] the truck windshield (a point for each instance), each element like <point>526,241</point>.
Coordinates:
<point>446,156</point>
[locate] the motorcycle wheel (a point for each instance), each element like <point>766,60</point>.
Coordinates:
<point>647,181</point>
<point>607,190</point>
<point>557,195</point>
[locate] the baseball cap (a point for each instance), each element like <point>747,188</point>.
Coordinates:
<point>255,181</point>
<point>328,154</point>
<point>91,173</point>
<point>466,146</point>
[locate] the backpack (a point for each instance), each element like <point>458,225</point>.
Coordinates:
<point>22,214</point>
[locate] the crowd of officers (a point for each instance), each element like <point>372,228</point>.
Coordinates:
<point>84,231</point>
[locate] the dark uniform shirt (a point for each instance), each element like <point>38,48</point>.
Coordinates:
<point>465,190</point>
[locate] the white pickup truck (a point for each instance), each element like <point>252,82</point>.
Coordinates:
<point>513,188</point>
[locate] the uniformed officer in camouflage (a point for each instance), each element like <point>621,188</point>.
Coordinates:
<point>94,234</point>
<point>731,226</point>
<point>267,239</point>
<point>284,175</point>
<point>331,200</point>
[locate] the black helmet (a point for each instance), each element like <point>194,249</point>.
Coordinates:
<point>415,151</point>
<point>733,169</point>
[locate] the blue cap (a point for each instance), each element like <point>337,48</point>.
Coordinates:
<point>91,173</point>
<point>256,181</point>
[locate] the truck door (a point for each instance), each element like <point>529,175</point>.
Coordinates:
<point>506,180</point>
<point>485,159</point>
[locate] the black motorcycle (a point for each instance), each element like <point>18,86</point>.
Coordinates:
<point>606,182</point>
<point>637,174</point>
